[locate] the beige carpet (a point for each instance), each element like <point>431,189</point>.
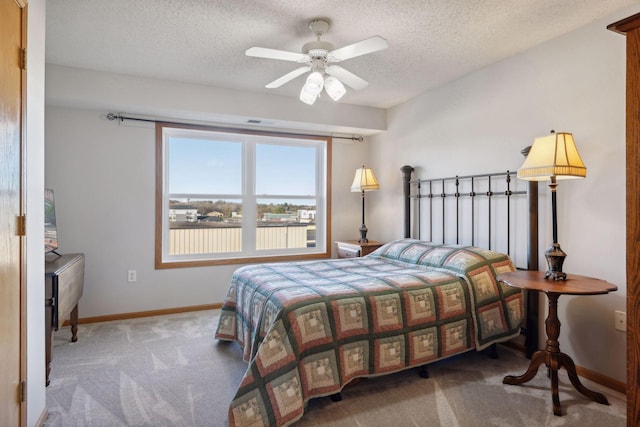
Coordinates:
<point>170,371</point>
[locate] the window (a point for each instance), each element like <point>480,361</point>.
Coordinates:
<point>233,196</point>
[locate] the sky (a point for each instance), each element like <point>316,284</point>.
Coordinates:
<point>198,166</point>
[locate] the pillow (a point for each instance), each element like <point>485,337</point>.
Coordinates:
<point>459,259</point>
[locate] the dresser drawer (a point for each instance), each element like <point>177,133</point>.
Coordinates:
<point>348,251</point>
<point>354,249</point>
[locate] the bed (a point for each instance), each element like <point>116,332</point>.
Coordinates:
<point>308,328</point>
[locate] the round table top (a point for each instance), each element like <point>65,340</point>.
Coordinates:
<point>574,285</point>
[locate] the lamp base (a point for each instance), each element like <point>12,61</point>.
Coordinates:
<point>555,258</point>
<point>363,234</point>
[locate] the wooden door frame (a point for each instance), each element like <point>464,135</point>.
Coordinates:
<point>631,28</point>
<point>23,4</point>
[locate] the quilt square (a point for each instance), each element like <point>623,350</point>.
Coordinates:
<point>332,289</point>
<point>320,373</point>
<point>462,260</point>
<point>423,346</point>
<point>292,295</point>
<point>515,310</point>
<point>405,281</point>
<point>484,285</point>
<point>350,317</point>
<point>389,354</point>
<point>269,316</point>
<point>387,312</point>
<point>413,253</point>
<point>487,254</point>
<point>285,394</point>
<point>454,337</point>
<point>354,360</point>
<point>310,326</point>
<point>370,285</point>
<point>275,350</point>
<point>435,257</point>
<point>505,266</point>
<point>452,300</point>
<point>248,410</point>
<point>491,321</point>
<point>434,277</point>
<point>256,308</point>
<point>393,250</point>
<point>230,298</point>
<point>421,307</point>
<point>227,325</point>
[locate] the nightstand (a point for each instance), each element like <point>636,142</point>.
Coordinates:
<point>354,249</point>
<point>551,355</point>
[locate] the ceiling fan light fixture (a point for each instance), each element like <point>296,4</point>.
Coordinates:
<point>320,56</point>
<point>314,83</point>
<point>334,87</point>
<point>308,97</point>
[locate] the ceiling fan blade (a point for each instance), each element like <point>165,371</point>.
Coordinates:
<point>263,52</point>
<point>347,77</point>
<point>370,45</point>
<point>288,77</point>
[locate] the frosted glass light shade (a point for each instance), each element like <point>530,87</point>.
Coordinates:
<point>314,83</point>
<point>554,155</point>
<point>364,180</point>
<point>334,87</point>
<point>307,97</point>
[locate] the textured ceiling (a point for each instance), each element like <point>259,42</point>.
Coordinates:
<point>431,42</point>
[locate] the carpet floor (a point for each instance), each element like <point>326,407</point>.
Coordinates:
<point>170,371</point>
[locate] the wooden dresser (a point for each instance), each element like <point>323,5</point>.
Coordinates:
<point>64,282</point>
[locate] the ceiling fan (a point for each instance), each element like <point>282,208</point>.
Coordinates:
<point>319,57</point>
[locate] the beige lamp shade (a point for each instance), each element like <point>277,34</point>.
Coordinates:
<point>364,180</point>
<point>554,155</point>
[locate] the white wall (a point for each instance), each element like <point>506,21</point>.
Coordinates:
<point>36,398</point>
<point>103,174</point>
<point>479,123</point>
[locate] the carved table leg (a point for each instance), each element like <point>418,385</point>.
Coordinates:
<point>567,363</point>
<point>537,359</point>
<point>554,360</point>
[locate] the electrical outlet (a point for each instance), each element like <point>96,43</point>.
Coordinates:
<point>621,320</point>
<point>131,276</point>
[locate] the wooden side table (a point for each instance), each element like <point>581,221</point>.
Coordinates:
<point>551,355</point>
<point>353,248</point>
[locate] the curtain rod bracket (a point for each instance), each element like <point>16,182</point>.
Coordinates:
<point>352,138</point>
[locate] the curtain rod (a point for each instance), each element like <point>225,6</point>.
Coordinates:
<point>121,117</point>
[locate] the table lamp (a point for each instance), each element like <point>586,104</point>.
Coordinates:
<point>364,180</point>
<point>553,157</point>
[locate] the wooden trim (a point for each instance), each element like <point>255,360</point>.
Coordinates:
<point>596,377</point>
<point>24,374</point>
<point>603,380</point>
<point>633,224</point>
<point>149,313</point>
<point>42,418</point>
<point>625,25</point>
<point>631,28</point>
<point>231,261</point>
<point>159,186</point>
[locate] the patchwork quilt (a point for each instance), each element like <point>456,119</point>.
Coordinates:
<point>308,328</point>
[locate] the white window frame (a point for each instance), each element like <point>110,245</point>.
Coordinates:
<point>249,140</point>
